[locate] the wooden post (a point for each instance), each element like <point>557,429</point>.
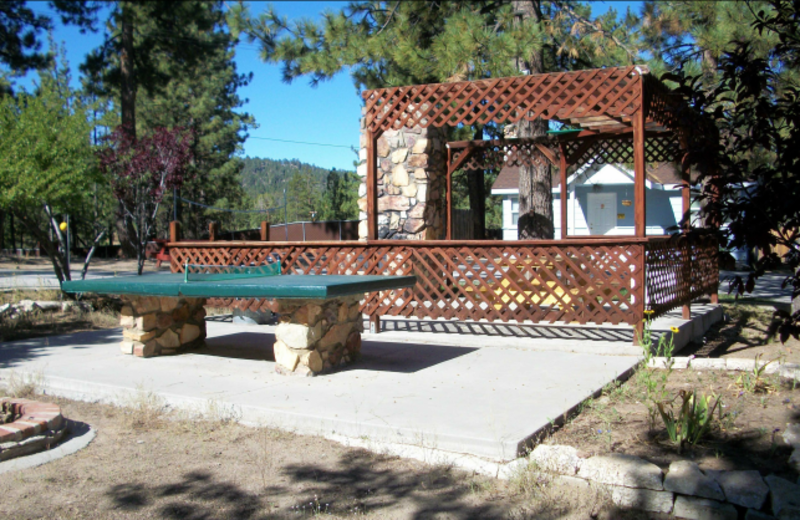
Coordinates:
<point>563,173</point>
<point>213,227</point>
<point>265,230</point>
<point>174,231</point>
<point>686,203</point>
<point>374,324</point>
<point>372,186</point>
<point>639,178</point>
<point>638,292</point>
<point>449,195</point>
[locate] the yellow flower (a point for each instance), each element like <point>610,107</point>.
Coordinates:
<point>674,330</point>
<point>649,312</point>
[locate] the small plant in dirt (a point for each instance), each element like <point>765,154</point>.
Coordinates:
<point>753,381</point>
<point>655,380</point>
<point>694,418</point>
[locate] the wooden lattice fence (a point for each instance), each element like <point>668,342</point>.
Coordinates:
<point>572,281</point>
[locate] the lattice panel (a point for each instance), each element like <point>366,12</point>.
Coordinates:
<point>493,154</point>
<point>680,270</point>
<point>620,150</point>
<point>569,283</point>
<point>612,93</point>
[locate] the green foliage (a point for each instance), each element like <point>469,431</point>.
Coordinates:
<point>385,44</point>
<point>749,165</point>
<point>45,150</point>
<point>693,36</point>
<point>331,194</point>
<point>47,164</point>
<point>753,381</point>
<point>654,380</point>
<point>694,418</point>
<point>187,77</point>
<point>21,28</point>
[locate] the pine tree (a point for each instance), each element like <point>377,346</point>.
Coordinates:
<point>21,29</point>
<point>185,76</point>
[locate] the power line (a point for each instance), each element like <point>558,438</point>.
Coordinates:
<point>300,142</point>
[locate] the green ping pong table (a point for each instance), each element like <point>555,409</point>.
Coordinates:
<point>320,318</point>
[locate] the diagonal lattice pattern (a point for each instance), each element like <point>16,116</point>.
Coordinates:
<point>569,281</point>
<point>679,270</point>
<point>657,149</point>
<point>482,155</point>
<point>612,94</point>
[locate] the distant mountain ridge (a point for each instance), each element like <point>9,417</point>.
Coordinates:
<point>260,175</point>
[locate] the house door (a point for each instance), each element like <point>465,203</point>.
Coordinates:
<point>602,213</point>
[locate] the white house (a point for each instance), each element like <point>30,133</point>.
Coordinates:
<point>600,200</point>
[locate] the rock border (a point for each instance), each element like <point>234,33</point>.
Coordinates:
<point>785,370</point>
<point>684,490</point>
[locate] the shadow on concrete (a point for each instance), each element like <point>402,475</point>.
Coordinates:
<point>405,358</point>
<point>15,352</point>
<point>375,356</point>
<point>513,330</point>
<point>241,345</point>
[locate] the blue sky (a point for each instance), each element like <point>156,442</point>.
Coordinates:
<point>326,115</point>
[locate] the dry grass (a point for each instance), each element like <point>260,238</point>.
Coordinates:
<point>104,314</point>
<point>25,385</point>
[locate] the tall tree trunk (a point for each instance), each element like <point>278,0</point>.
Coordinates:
<point>535,182</point>
<point>128,107</point>
<point>477,196</point>
<point>127,73</point>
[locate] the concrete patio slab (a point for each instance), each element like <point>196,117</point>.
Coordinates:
<point>485,401</point>
<point>480,390</point>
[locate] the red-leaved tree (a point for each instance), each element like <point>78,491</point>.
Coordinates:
<point>140,172</point>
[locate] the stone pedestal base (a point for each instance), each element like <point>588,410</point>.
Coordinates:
<point>157,326</point>
<point>316,336</point>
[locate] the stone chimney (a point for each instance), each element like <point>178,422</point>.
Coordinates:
<point>412,167</point>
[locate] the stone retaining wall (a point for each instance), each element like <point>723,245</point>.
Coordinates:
<point>316,336</point>
<point>684,490</point>
<point>412,168</point>
<point>157,326</point>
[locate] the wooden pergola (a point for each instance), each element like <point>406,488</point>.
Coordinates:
<point>624,114</point>
<point>621,114</point>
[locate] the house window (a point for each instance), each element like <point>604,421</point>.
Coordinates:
<point>514,210</point>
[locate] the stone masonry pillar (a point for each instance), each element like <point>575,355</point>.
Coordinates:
<point>154,326</point>
<point>412,168</point>
<point>316,336</point>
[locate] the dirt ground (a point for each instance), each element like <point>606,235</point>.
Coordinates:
<point>33,263</point>
<point>150,462</point>
<point>752,413</point>
<point>146,463</point>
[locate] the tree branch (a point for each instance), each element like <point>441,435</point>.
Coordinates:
<point>586,23</point>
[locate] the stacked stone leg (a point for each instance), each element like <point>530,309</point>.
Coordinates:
<point>154,326</point>
<point>316,336</point>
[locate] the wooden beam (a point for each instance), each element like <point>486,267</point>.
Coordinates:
<point>372,186</point>
<point>639,183</point>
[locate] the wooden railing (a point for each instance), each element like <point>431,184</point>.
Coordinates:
<point>573,281</point>
<point>679,270</point>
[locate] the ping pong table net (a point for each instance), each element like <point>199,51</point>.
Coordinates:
<point>215,273</point>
